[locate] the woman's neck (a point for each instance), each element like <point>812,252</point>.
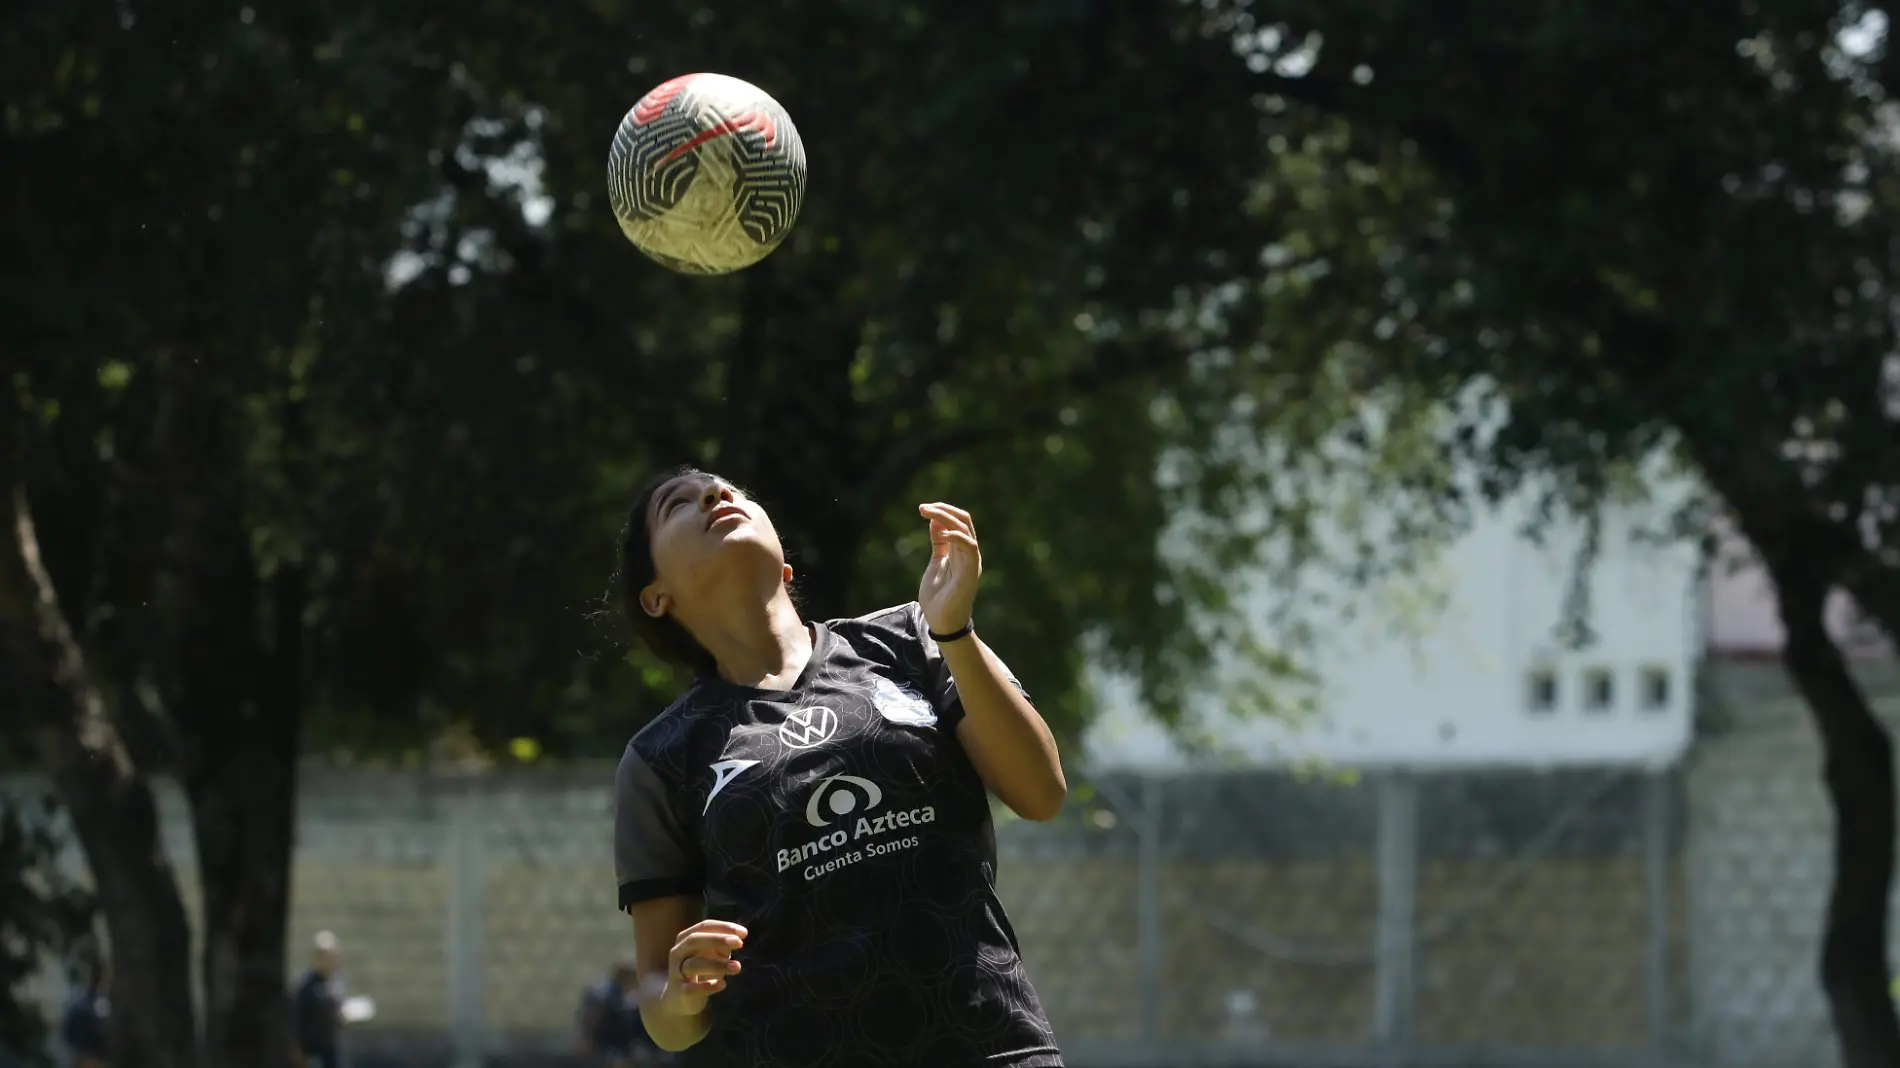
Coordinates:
<point>764,646</point>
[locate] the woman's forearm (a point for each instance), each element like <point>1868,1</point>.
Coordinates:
<point>672,1031</point>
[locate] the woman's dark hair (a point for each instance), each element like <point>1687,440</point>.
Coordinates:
<point>662,634</point>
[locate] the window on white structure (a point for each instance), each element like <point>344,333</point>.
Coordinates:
<point>1599,690</point>
<point>1541,690</point>
<point>1654,688</point>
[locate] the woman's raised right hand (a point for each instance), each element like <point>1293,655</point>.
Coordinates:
<point>699,964</point>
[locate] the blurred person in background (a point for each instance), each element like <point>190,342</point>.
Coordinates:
<point>612,1033</point>
<point>804,838</point>
<point>316,1007</point>
<point>83,1026</point>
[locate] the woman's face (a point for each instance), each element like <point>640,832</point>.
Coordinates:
<point>703,532</point>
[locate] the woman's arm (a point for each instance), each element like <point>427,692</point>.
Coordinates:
<point>681,960</point>
<point>1004,735</point>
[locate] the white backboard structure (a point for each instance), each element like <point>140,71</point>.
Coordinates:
<point>1480,678</point>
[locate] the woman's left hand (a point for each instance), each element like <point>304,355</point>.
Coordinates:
<point>948,591</point>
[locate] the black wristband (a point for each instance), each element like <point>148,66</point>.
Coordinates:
<point>945,639</point>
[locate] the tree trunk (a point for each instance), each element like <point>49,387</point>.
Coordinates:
<point>148,935</point>
<point>115,816</point>
<point>232,677</point>
<point>1858,770</point>
<point>829,548</point>
<point>793,429</point>
<point>243,700</point>
<point>244,811</point>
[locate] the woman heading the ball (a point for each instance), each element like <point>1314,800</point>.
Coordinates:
<point>803,839</point>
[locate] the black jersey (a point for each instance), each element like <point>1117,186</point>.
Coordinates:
<point>841,823</point>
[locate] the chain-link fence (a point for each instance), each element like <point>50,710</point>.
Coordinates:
<point>1614,917</point>
<point>1276,919</point>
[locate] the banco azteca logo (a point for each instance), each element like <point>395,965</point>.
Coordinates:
<point>849,829</point>
<point>808,726</point>
<point>840,796</point>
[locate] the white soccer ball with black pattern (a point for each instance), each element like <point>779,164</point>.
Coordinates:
<point>706,174</point>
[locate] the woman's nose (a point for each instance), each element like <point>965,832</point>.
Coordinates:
<point>716,494</point>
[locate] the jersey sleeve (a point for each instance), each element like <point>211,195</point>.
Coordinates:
<point>934,671</point>
<point>652,855</point>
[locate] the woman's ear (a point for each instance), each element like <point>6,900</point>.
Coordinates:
<point>654,602</point>
<point>787,576</point>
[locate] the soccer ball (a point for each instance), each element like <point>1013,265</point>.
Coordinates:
<point>706,174</point>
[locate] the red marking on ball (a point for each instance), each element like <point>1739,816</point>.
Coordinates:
<point>745,120</point>
<point>653,103</point>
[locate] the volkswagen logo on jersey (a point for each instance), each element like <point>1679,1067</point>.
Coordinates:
<point>837,797</point>
<point>898,703</point>
<point>808,726</point>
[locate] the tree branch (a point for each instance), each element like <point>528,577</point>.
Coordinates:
<point>116,816</point>
<point>88,732</point>
<point>907,457</point>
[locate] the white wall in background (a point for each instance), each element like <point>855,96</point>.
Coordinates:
<point>1476,679</point>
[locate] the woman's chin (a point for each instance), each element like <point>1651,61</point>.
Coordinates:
<point>744,547</point>
<point>735,535</point>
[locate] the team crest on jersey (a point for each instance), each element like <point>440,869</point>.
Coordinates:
<point>898,703</point>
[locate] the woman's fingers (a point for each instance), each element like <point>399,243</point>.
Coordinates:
<point>708,969</point>
<point>953,550</point>
<point>724,927</point>
<point>706,944</point>
<point>702,957</point>
<point>950,516</point>
<point>961,515</point>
